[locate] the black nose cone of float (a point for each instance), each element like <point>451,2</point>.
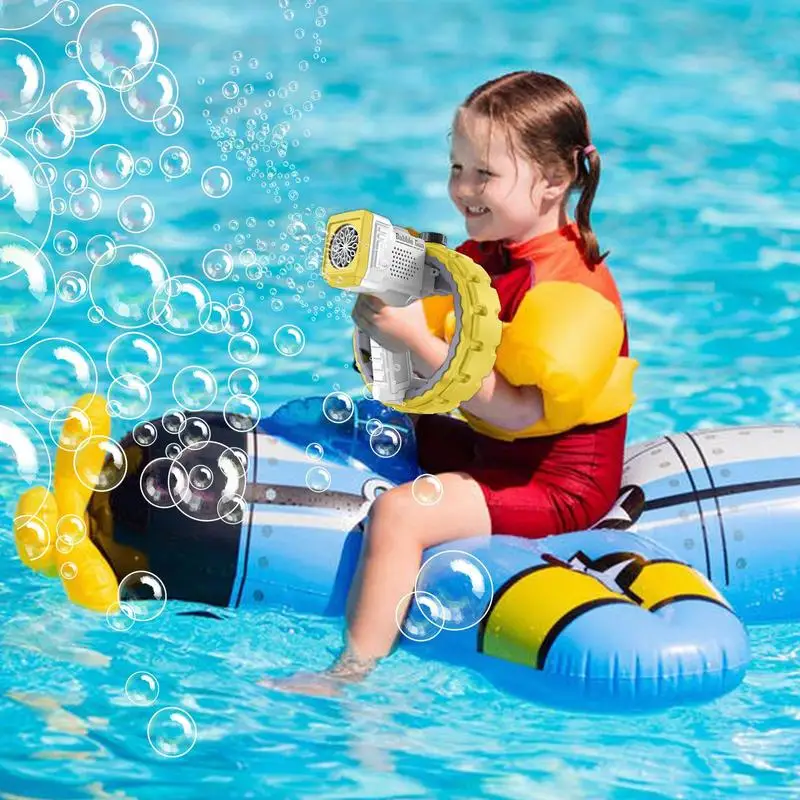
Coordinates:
<point>194,554</point>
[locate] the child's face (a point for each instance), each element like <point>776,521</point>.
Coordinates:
<point>498,192</point>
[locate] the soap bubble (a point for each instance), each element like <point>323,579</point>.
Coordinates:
<point>114,40</point>
<point>427,489</point>
<point>124,285</point>
<point>172,450</point>
<point>338,407</point>
<point>20,14</point>
<point>78,430</point>
<point>315,451</point>
<point>149,92</point>
<point>201,477</point>
<point>230,90</point>
<point>162,482</point>
<point>228,481</point>
<point>235,301</point>
<point>45,174</point>
<point>145,434</point>
<point>21,76</point>
<point>82,104</point>
<point>373,426</point>
<point>27,289</point>
<point>24,205</point>
<point>136,213</point>
<point>51,373</point>
<point>214,316</point>
<point>134,354</point>
<point>66,13</point>
<point>117,620</point>
<point>68,570</point>
<point>143,166</point>
<point>461,583</point>
<point>194,388</point>
<point>180,305</point>
<point>130,397</point>
<point>217,264</point>
<point>100,475</point>
<point>32,536</point>
<point>172,732</point>
<point>243,348</point>
<point>142,688</point>
<point>243,381</point>
<point>71,528</point>
<point>170,122</point>
<point>98,246</point>
<point>174,161</point>
<point>72,49</point>
<point>75,180</point>
<point>52,137</point>
<point>24,456</point>
<point>318,479</point>
<point>289,340</point>
<point>386,443</point>
<point>173,420</point>
<point>65,243</point>
<point>425,618</point>
<point>242,413</point>
<point>85,205</point>
<point>195,433</point>
<point>216,182</point>
<point>142,596</point>
<point>231,510</point>
<point>111,166</point>
<point>240,320</point>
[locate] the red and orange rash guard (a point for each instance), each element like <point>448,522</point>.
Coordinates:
<point>552,477</point>
<point>563,330</point>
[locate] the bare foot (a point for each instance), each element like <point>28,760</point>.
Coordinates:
<point>314,684</point>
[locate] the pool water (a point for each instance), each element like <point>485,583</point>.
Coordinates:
<point>694,107</point>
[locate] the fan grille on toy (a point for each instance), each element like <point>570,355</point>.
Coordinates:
<point>344,246</point>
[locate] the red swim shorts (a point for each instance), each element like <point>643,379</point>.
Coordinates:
<point>534,487</point>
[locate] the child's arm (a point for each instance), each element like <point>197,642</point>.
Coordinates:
<point>497,401</point>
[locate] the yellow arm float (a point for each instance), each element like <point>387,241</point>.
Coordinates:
<point>565,338</point>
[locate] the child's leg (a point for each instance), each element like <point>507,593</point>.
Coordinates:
<point>399,529</point>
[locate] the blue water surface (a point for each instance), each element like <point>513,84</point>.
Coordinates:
<point>695,107</point>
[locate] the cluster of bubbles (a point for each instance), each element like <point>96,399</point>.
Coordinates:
<point>453,591</point>
<point>142,597</point>
<point>260,124</point>
<point>129,287</point>
<point>203,479</point>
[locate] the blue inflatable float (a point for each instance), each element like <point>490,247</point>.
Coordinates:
<point>645,610</point>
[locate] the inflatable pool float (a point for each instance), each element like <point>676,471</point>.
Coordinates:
<point>645,610</point>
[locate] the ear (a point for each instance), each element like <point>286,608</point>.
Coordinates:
<point>554,190</point>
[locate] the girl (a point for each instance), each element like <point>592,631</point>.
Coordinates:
<point>520,147</point>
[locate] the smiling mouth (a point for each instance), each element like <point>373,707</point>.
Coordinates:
<point>475,211</point>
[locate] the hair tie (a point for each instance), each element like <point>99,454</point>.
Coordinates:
<point>590,148</point>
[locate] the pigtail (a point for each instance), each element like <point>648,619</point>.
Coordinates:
<point>588,180</point>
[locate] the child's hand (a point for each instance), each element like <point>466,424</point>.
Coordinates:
<point>394,328</point>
